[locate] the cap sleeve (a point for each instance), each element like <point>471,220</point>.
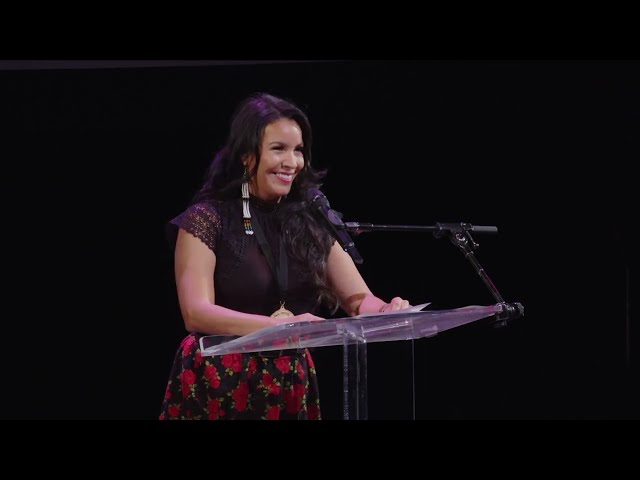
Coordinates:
<point>202,220</point>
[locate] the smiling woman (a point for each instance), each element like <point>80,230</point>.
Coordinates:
<point>281,160</point>
<point>249,254</point>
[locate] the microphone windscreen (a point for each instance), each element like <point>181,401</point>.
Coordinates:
<point>315,195</point>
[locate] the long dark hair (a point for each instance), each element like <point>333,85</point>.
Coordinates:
<point>304,237</point>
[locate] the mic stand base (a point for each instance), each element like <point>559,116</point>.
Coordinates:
<point>510,311</point>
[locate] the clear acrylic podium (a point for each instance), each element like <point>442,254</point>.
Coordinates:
<point>353,333</point>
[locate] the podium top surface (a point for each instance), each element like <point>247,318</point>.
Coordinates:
<point>390,326</point>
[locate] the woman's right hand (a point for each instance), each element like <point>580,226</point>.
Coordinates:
<point>303,317</point>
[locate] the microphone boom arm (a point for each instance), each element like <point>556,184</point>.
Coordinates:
<point>460,236</point>
<point>357,228</point>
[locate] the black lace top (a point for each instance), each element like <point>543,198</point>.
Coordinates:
<point>243,280</point>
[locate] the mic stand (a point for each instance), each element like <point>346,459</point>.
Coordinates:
<point>460,236</point>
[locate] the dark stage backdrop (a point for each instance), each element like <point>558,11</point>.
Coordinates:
<point>98,159</point>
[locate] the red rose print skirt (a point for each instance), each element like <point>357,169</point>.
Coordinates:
<point>249,386</point>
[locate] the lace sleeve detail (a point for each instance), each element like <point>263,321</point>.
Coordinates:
<point>202,220</point>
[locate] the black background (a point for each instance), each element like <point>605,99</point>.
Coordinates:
<point>98,159</point>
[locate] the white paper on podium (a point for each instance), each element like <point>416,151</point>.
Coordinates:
<point>413,308</point>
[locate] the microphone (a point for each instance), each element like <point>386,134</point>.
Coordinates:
<point>319,203</point>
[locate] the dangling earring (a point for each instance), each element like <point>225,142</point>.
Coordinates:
<point>246,213</point>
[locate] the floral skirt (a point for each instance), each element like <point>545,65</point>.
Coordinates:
<point>241,386</point>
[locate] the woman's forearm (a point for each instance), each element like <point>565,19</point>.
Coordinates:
<point>216,320</point>
<point>370,304</point>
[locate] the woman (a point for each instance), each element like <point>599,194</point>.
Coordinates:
<point>250,254</point>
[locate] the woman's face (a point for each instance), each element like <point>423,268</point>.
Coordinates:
<point>281,159</point>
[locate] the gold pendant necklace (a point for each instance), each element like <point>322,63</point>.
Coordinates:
<point>282,312</point>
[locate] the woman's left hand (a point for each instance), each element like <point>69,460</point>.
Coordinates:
<point>396,303</point>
